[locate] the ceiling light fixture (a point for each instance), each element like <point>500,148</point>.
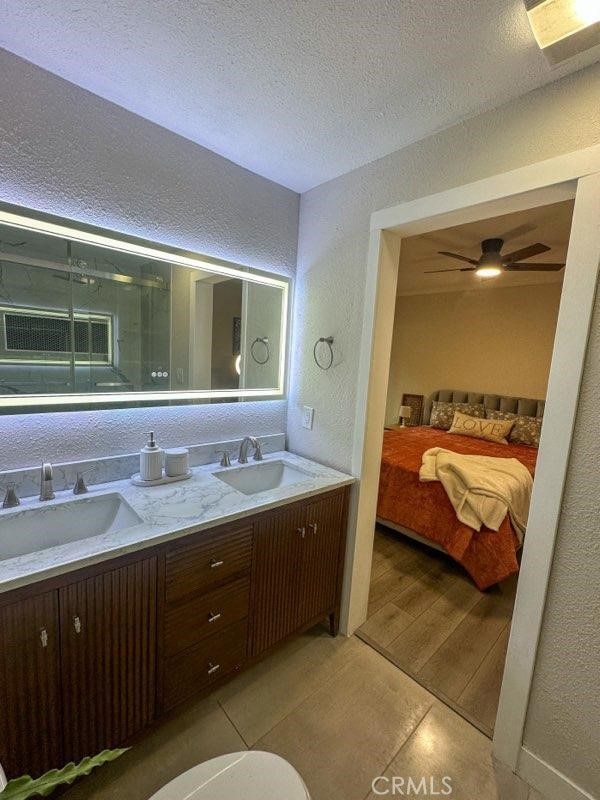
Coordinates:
<point>488,272</point>
<point>564,28</point>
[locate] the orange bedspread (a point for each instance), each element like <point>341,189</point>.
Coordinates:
<point>488,556</point>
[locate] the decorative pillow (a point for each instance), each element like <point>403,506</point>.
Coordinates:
<point>442,414</point>
<point>472,409</point>
<point>526,430</point>
<point>492,430</point>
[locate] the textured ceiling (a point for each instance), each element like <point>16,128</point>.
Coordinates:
<point>550,225</point>
<point>299,91</point>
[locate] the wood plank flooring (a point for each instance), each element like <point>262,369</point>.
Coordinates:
<point>428,618</point>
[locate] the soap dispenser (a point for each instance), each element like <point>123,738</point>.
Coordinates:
<point>151,460</point>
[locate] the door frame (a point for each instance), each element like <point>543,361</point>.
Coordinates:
<point>577,175</point>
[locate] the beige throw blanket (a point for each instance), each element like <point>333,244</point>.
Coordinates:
<point>482,489</point>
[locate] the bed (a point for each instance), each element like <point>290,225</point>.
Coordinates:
<point>423,510</point>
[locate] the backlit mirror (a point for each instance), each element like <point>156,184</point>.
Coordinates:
<point>90,318</point>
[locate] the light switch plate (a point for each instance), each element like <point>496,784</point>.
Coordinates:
<point>308,415</point>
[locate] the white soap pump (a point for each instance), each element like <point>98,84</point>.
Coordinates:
<point>151,460</point>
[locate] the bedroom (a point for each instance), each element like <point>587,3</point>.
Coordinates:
<point>442,594</point>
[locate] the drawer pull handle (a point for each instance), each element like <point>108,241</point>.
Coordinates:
<point>214,563</point>
<point>313,527</point>
<point>44,637</point>
<point>212,668</point>
<point>213,617</point>
<point>301,531</point>
<point>77,624</point>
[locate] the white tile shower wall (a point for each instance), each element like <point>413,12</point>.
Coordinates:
<point>66,151</point>
<point>334,235</point>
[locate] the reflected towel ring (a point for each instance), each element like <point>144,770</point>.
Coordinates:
<point>328,340</point>
<point>263,340</point>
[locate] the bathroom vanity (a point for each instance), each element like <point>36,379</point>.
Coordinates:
<point>101,636</point>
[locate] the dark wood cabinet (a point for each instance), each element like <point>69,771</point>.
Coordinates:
<point>108,657</point>
<point>296,569</point>
<point>30,721</point>
<point>89,659</point>
<point>322,559</point>
<point>276,577</point>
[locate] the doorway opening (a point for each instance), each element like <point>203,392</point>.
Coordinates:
<point>570,176</point>
<point>468,374</point>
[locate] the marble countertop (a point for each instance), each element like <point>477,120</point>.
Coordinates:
<point>167,513</point>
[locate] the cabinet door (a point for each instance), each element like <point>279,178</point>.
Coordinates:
<point>276,559</point>
<point>29,686</point>
<point>108,642</point>
<point>321,556</point>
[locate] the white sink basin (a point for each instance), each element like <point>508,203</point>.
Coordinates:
<point>256,478</point>
<point>32,529</point>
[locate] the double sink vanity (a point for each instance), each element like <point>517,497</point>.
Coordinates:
<point>121,603</point>
<point>125,600</point>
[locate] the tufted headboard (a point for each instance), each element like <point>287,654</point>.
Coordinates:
<point>518,405</point>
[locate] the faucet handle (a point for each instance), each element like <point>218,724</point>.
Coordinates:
<point>258,456</point>
<point>225,459</point>
<point>80,485</point>
<point>11,499</point>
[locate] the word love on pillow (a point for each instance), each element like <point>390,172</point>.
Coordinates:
<point>493,430</point>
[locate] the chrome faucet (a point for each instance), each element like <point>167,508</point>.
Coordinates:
<point>243,456</point>
<point>46,487</point>
<point>10,498</point>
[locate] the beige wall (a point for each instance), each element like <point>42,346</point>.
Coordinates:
<point>562,727</point>
<point>497,341</point>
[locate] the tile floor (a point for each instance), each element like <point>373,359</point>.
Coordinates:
<point>336,709</point>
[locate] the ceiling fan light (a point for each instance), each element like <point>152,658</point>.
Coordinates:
<point>488,272</point>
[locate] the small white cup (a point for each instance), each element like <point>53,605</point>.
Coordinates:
<point>177,462</point>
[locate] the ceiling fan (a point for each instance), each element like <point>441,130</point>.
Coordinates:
<point>492,262</point>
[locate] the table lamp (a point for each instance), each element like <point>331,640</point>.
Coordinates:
<point>404,414</point>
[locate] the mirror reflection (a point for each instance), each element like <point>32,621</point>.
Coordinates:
<point>79,318</point>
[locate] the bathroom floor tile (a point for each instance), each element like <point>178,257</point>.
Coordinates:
<point>444,745</point>
<point>348,731</point>
<point>182,740</point>
<point>261,697</point>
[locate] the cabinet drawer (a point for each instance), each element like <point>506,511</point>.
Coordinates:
<point>187,623</point>
<point>195,669</point>
<point>213,559</point>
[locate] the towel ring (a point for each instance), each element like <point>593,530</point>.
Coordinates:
<point>262,340</point>
<point>328,340</point>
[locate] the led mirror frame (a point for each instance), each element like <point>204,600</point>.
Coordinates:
<point>155,252</point>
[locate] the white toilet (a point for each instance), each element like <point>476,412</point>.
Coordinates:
<point>250,775</point>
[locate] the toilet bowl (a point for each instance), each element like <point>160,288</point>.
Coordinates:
<point>251,775</point>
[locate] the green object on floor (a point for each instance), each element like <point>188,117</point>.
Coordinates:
<point>25,786</point>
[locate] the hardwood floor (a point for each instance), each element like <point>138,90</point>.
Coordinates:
<point>428,618</point>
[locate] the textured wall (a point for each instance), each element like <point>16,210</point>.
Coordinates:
<point>502,343</point>
<point>68,152</point>
<point>564,707</point>
<point>334,232</point>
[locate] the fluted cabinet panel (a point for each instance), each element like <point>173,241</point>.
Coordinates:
<point>30,686</point>
<point>276,562</point>
<point>320,558</point>
<point>108,641</point>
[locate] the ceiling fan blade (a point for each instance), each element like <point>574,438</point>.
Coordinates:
<point>539,267</point>
<point>457,255</point>
<point>525,252</point>
<point>458,269</point>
